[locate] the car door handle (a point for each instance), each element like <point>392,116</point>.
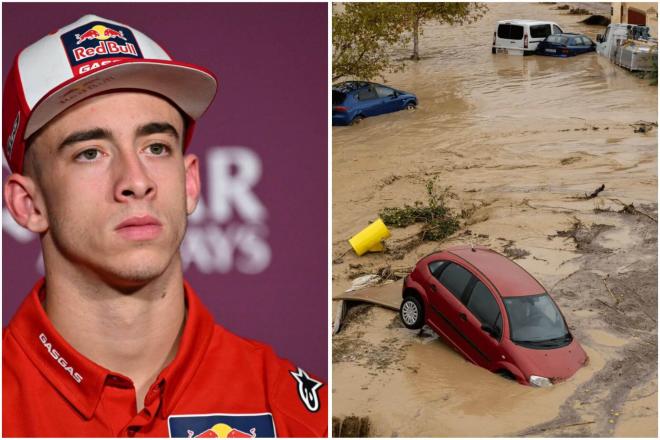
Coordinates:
<point>433,288</point>
<point>463,316</point>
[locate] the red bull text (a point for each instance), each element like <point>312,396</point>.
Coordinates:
<point>104,48</point>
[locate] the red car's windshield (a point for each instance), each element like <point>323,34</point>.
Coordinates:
<point>535,321</point>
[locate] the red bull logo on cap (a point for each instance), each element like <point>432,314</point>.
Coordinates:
<point>96,43</point>
<point>102,33</point>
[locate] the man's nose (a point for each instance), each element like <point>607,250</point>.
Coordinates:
<point>133,181</point>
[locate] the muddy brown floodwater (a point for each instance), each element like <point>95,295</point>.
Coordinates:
<point>520,141</point>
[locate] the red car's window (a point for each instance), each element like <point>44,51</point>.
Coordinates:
<point>484,307</point>
<point>455,279</point>
<point>435,267</point>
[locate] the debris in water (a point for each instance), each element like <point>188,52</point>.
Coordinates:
<point>341,314</point>
<point>578,11</point>
<point>438,221</point>
<point>370,238</point>
<point>597,20</point>
<point>513,252</point>
<point>630,209</point>
<point>643,126</point>
<point>595,193</point>
<point>364,281</point>
<point>389,180</point>
<point>570,160</point>
<point>390,273</point>
<point>584,236</point>
<point>340,258</point>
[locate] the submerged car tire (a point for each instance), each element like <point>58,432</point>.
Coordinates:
<point>493,50</point>
<point>357,119</point>
<point>411,106</point>
<point>506,374</point>
<point>412,313</point>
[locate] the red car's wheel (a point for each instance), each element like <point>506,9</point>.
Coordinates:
<point>412,313</point>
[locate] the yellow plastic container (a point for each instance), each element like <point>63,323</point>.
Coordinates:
<point>369,239</point>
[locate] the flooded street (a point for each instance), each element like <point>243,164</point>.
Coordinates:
<point>519,141</point>
<point>432,391</point>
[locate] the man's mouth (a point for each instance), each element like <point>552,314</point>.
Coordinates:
<point>139,228</point>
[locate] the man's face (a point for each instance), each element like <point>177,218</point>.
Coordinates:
<point>115,186</point>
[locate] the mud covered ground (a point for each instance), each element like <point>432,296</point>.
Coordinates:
<point>521,143</point>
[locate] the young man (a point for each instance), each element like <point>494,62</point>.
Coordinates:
<point>113,341</point>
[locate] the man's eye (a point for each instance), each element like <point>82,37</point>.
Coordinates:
<point>88,155</point>
<point>157,149</point>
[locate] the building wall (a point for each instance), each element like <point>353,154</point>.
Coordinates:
<point>620,12</point>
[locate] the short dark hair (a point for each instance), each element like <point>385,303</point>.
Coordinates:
<point>31,167</point>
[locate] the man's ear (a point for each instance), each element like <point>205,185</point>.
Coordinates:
<point>25,204</point>
<point>193,185</point>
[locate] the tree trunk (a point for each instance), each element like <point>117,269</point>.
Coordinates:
<point>415,55</point>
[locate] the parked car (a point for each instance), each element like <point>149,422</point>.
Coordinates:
<point>520,37</point>
<point>565,45</point>
<point>494,313</point>
<point>353,101</point>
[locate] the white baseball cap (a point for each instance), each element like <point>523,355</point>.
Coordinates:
<point>91,56</point>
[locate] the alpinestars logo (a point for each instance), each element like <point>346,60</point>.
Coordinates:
<point>307,388</point>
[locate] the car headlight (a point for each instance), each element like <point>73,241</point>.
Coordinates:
<point>539,381</point>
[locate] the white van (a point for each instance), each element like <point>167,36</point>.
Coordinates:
<point>520,37</point>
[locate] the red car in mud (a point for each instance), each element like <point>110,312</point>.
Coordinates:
<point>494,313</point>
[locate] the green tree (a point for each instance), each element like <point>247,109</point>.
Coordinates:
<point>417,14</point>
<point>362,36</point>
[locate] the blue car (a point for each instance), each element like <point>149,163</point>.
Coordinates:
<point>565,45</point>
<point>353,101</point>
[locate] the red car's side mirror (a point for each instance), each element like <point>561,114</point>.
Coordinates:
<point>490,330</point>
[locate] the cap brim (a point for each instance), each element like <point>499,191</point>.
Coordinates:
<point>191,88</point>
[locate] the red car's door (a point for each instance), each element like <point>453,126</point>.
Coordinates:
<point>483,310</point>
<point>447,314</point>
